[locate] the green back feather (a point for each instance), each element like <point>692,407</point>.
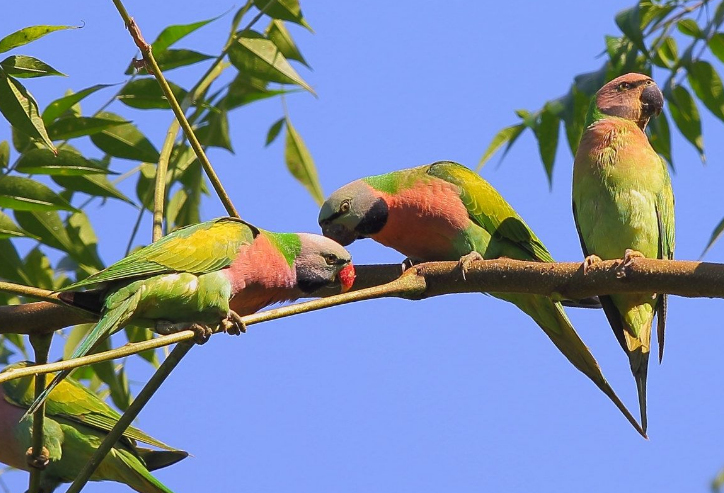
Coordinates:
<point>288,244</point>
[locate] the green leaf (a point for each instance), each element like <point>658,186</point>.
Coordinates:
<point>8,228</point>
<point>300,163</point>
<point>508,134</point>
<point>274,131</point>
<point>4,154</point>
<point>244,90</point>
<point>139,334</point>
<point>19,107</point>
<point>96,185</point>
<point>716,45</point>
<point>145,185</point>
<point>27,67</point>
<point>48,227</point>
<point>125,141</point>
<point>256,56</point>
<point>61,105</point>
<point>630,24</point>
<point>144,94</point>
<point>666,54</point>
<point>574,116</point>
<point>39,270</point>
<point>686,116</point>
<point>18,341</point>
<point>279,35</point>
<point>24,194</point>
<point>547,132</point>
<point>171,59</point>
<point>714,236</point>
<point>81,234</point>
<point>660,137</point>
<point>67,163</point>
<point>78,126</point>
<point>690,28</point>
<point>707,86</point>
<point>26,35</point>
<point>286,10</point>
<point>172,34</point>
<point>11,265</point>
<point>214,131</point>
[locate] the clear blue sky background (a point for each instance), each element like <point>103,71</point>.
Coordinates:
<point>458,393</point>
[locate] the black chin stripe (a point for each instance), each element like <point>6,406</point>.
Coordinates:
<point>309,286</point>
<point>375,219</point>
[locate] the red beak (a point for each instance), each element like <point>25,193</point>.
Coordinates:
<point>346,277</point>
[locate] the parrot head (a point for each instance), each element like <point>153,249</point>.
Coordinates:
<point>354,211</point>
<point>321,262</point>
<point>633,96</point>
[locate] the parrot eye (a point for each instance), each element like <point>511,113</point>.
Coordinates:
<point>624,86</point>
<point>331,259</point>
<point>344,206</point>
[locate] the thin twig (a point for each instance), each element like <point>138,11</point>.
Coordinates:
<point>125,421</point>
<point>41,346</point>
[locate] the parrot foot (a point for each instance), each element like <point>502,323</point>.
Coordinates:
<point>233,324</point>
<point>628,258</point>
<point>589,261</point>
<point>408,263</point>
<point>202,332</point>
<point>466,260</point>
<point>39,462</point>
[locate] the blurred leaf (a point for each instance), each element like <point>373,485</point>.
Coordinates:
<point>508,134</point>
<point>172,34</point>
<point>244,90</point>
<point>574,116</point>
<point>630,24</point>
<point>274,131</point>
<point>259,57</point>
<point>279,35</point>
<point>215,131</point>
<point>686,116</point>
<point>81,234</point>
<point>716,45</point>
<point>707,86</point>
<point>171,59</point>
<point>48,227</point>
<point>25,194</point>
<point>666,54</point>
<point>38,269</point>
<point>11,266</point>
<point>18,341</point>
<point>690,28</point>
<point>286,10</point>
<point>20,108</point>
<point>21,141</point>
<point>96,185</point>
<point>4,154</point>
<point>27,67</point>
<point>139,334</point>
<point>547,134</point>
<point>125,141</point>
<point>26,35</point>
<point>145,185</point>
<point>79,126</point>
<point>300,163</point>
<point>66,163</point>
<point>714,236</point>
<point>8,228</point>
<point>61,105</point>
<point>661,137</point>
<point>146,94</point>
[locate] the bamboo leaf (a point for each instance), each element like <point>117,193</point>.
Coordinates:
<point>61,105</point>
<point>19,107</point>
<point>300,163</point>
<point>145,94</point>
<point>8,228</point>
<point>28,34</point>
<point>24,194</point>
<point>66,163</point>
<point>27,67</point>
<point>125,141</point>
<point>78,126</point>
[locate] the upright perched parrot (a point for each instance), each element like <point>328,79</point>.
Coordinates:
<point>444,211</point>
<point>76,422</point>
<point>623,206</point>
<point>198,275</point>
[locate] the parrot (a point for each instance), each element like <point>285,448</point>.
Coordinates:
<point>445,211</point>
<point>208,273</point>
<point>623,207</point>
<point>76,422</point>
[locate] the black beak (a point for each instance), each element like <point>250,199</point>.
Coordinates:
<point>338,233</point>
<point>652,101</point>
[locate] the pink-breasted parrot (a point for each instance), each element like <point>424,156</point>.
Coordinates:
<point>76,422</point>
<point>197,275</point>
<point>623,206</point>
<point>444,211</point>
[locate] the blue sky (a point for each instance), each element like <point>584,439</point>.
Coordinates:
<point>457,393</point>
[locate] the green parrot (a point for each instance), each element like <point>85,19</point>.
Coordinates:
<point>205,274</point>
<point>623,206</point>
<point>444,211</point>
<point>76,422</point>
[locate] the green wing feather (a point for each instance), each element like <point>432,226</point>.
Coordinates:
<point>489,209</point>
<point>665,217</point>
<point>199,248</point>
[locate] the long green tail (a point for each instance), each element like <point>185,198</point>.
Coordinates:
<point>131,471</point>
<point>108,324</point>
<point>550,316</point>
